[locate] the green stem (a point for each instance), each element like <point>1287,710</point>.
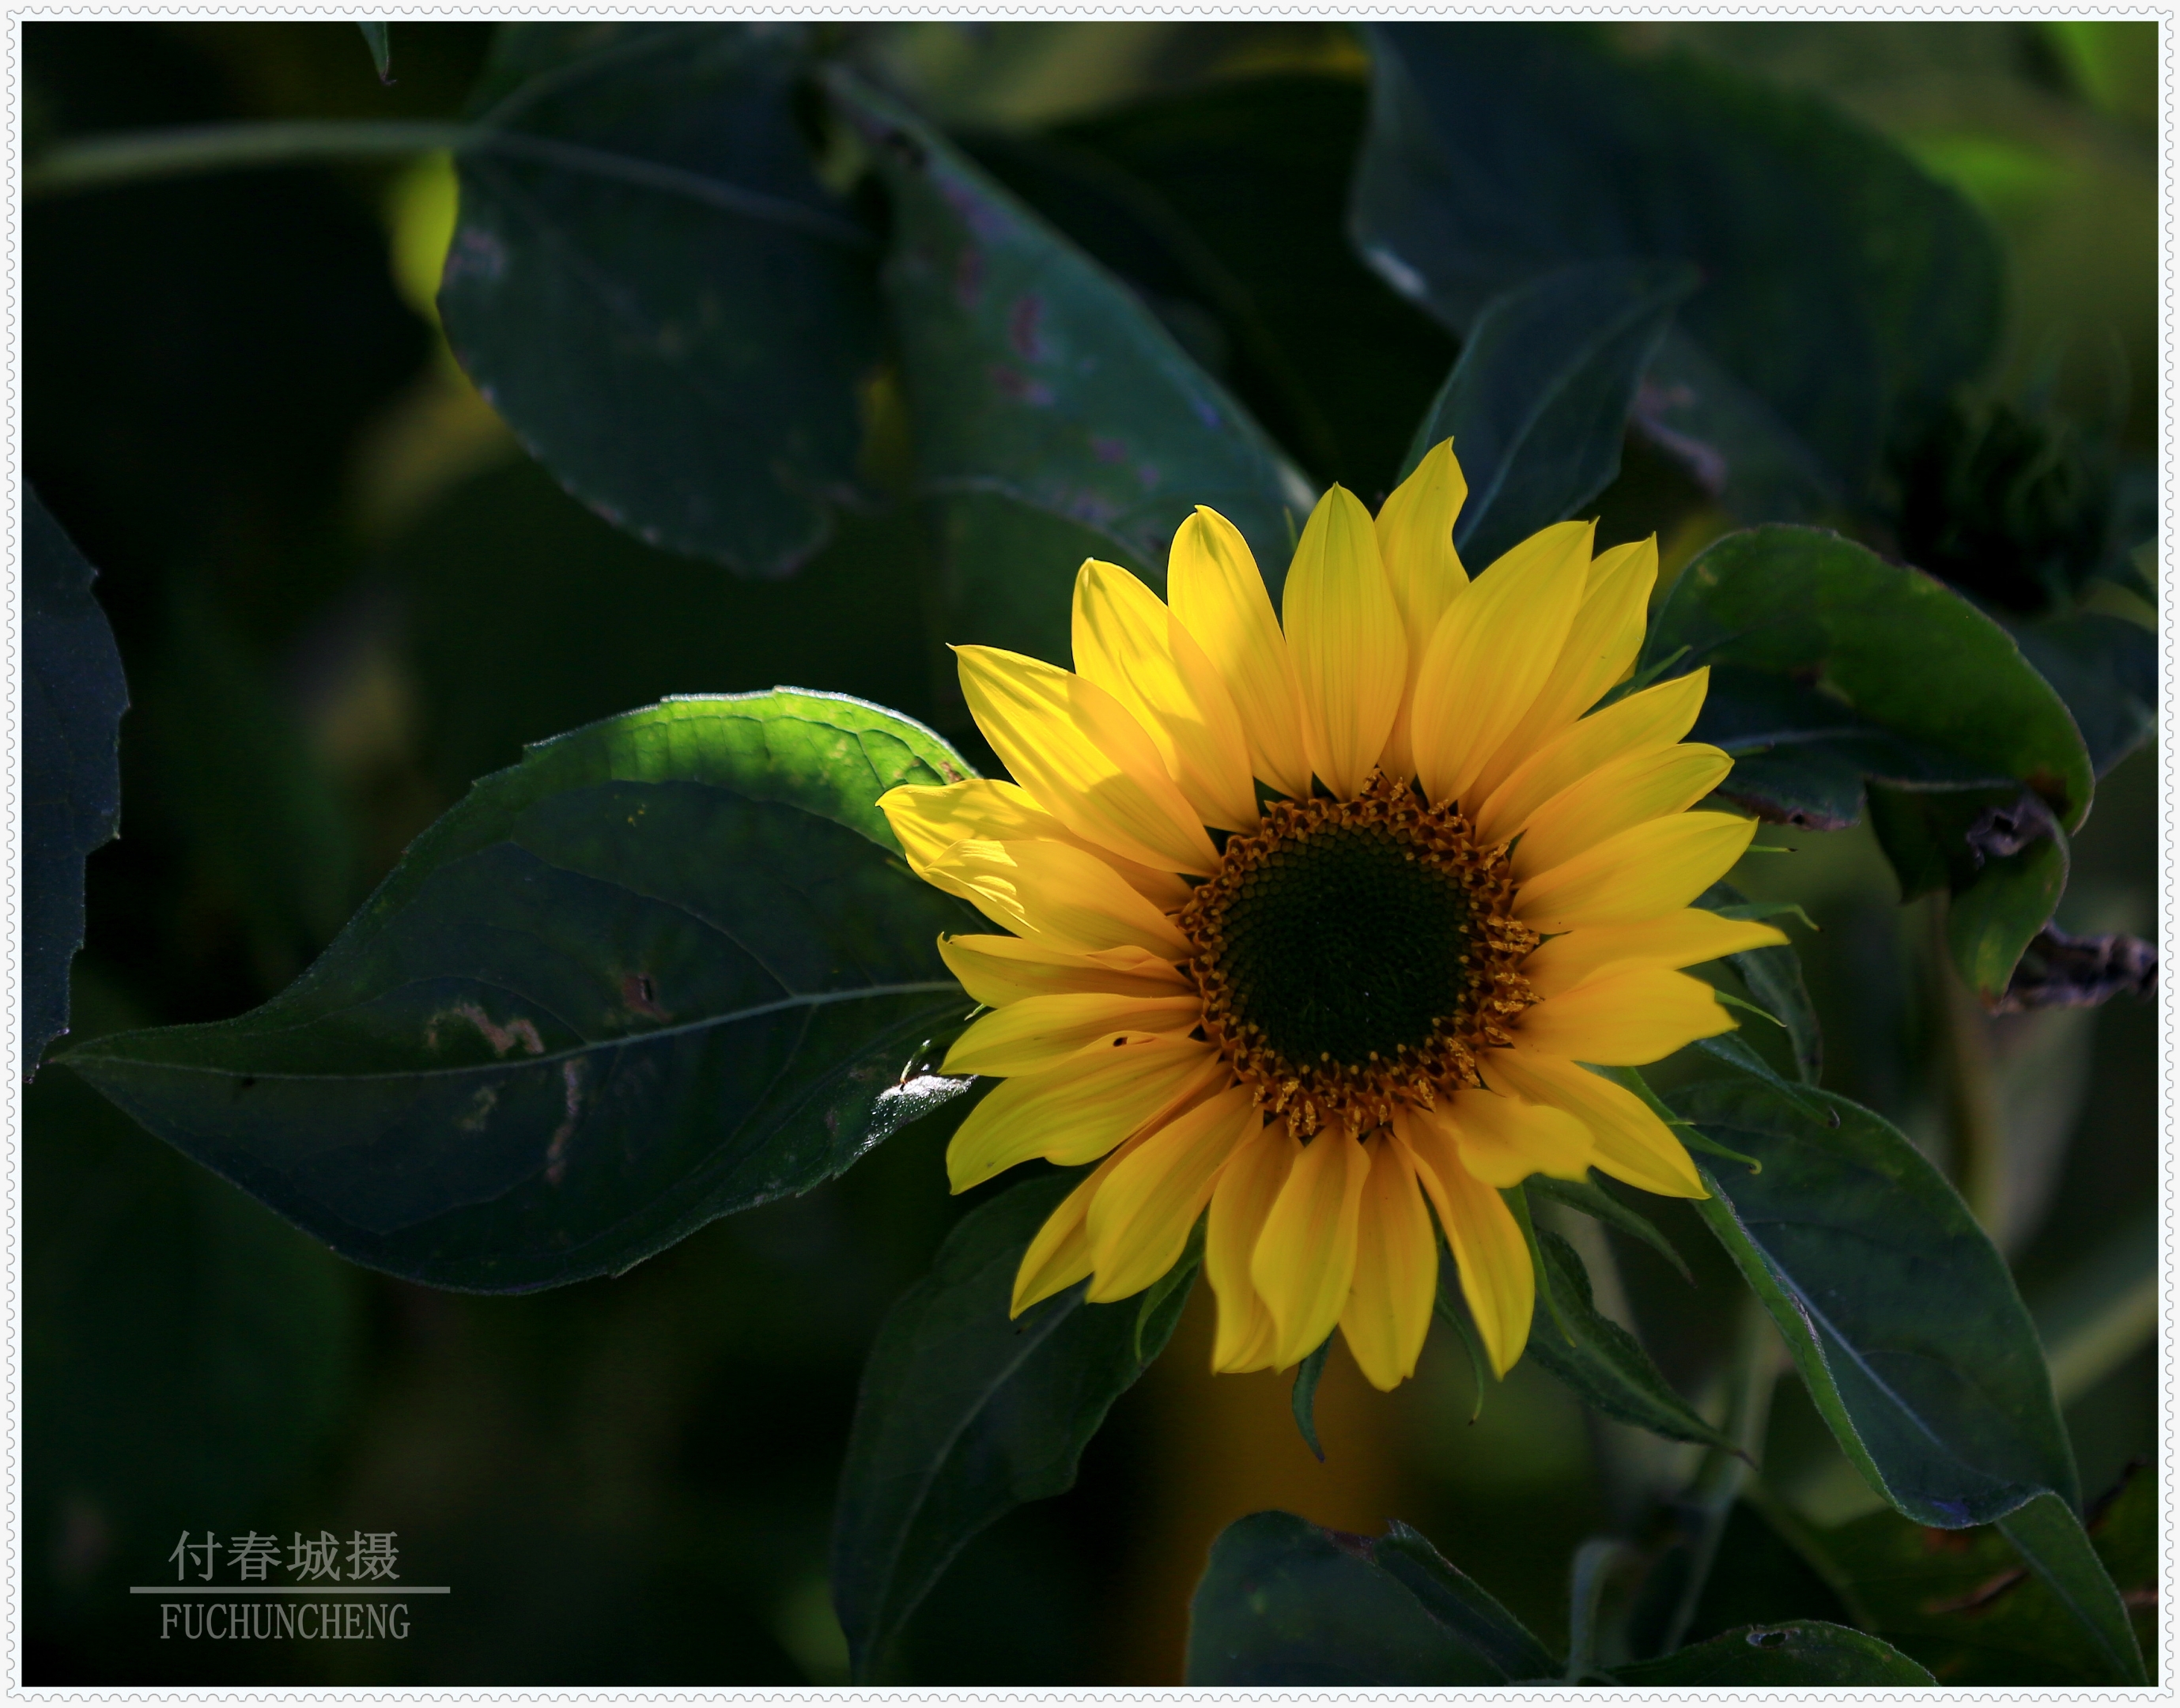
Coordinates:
<point>1594,1562</point>
<point>1979,1137</point>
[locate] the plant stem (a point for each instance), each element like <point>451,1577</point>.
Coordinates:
<point>1594,1562</point>
<point>139,155</point>
<point>1978,1136</point>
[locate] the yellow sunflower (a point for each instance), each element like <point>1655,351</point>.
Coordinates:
<point>1315,918</point>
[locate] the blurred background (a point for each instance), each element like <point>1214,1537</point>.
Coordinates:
<point>342,591</point>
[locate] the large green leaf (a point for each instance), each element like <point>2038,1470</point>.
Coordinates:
<point>964,1415</point>
<point>1536,406</point>
<point>2104,668</point>
<point>1846,294</point>
<point>650,283</point>
<point>1774,977</point>
<point>1805,1654</point>
<point>1899,1313</point>
<point>1054,417</point>
<point>1283,1602</point>
<point>73,699</point>
<point>669,967</point>
<point>1830,666</point>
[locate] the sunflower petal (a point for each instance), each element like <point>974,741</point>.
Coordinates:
<point>1139,1222</point>
<point>1075,1114</point>
<point>1059,1255</point>
<point>1039,1033</point>
<point>1625,1019</point>
<point>1492,651</point>
<point>998,970</point>
<point>1247,1187</point>
<point>1503,1140</point>
<point>1632,1145</point>
<point>1676,939</point>
<point>1415,542</point>
<point>1215,588</point>
<point>1343,630</point>
<point>1305,1259</point>
<point>1601,646</point>
<point>1651,869</point>
<point>1061,897</point>
<point>929,820</point>
<point>1388,1313</point>
<point>1128,643</point>
<point>1632,790</point>
<point>1488,1250</point>
<point>1654,718</point>
<point>1083,759</point>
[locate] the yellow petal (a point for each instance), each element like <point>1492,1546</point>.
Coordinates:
<point>1671,940</point>
<point>1655,718</point>
<point>1494,649</point>
<point>1247,1338</point>
<point>1632,790</point>
<point>1503,1140</point>
<point>1058,896</point>
<point>1601,645</point>
<point>1083,759</point>
<point>1351,660</point>
<point>1649,870</point>
<point>1388,1313</point>
<point>929,821</point>
<point>1215,588</point>
<point>1039,1033</point>
<point>1637,1015</point>
<point>1140,1220</point>
<point>1059,1255</point>
<point>1075,1114</point>
<point>1305,1259</point>
<point>998,970</point>
<point>1415,542</point>
<point>1632,1145</point>
<point>1487,1248</point>
<point>1130,645</point>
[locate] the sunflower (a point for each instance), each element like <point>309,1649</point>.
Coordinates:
<point>1312,922</point>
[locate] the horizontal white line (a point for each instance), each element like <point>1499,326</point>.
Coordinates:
<point>282,1589</point>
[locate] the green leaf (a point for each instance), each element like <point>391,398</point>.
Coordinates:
<point>1964,1603</point>
<point>1536,406</point>
<point>73,696</point>
<point>2104,668</point>
<point>1774,978</point>
<point>650,283</point>
<point>382,52</point>
<point>1830,664</point>
<point>1899,1313</point>
<point>2050,1538</point>
<point>1038,384</point>
<point>1605,1365</point>
<point>1155,1316</point>
<point>1594,1201</point>
<point>1449,1308</point>
<point>1845,293</point>
<point>1283,1602</point>
<point>1308,1373</point>
<point>1224,206</point>
<point>1807,1653</point>
<point>964,1415</point>
<point>669,967</point>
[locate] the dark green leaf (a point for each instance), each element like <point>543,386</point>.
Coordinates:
<point>1832,664</point>
<point>1038,384</point>
<point>1845,293</point>
<point>1594,1201</point>
<point>1774,978</point>
<point>1308,1373</point>
<point>1898,1311</point>
<point>1283,1602</point>
<point>1991,923</point>
<point>1605,1365</point>
<point>669,967</point>
<point>1733,1049</point>
<point>1449,1308</point>
<point>2050,1536</point>
<point>1224,206</point>
<point>73,699</point>
<point>2105,670</point>
<point>382,52</point>
<point>965,1415</point>
<point>1806,1654</point>
<point>650,283</point>
<point>1538,405</point>
<point>1962,1603</point>
<point>1157,1313</point>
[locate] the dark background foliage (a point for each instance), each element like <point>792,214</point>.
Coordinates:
<point>342,591</point>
